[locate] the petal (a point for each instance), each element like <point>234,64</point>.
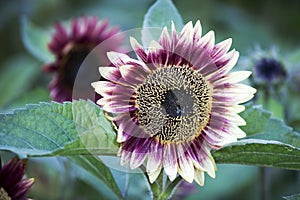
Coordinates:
<point>164,40</point>
<point>118,59</point>
<point>153,175</point>
<point>221,48</point>
<point>234,89</point>
<point>77,29</point>
<point>154,158</point>
<point>140,152</point>
<point>185,43</point>
<point>204,159</point>
<point>138,49</point>
<point>125,156</point>
<point>122,136</point>
<point>110,73</point>
<point>207,42</point>
<point>116,106</point>
<point>234,129</point>
<point>197,31</point>
<point>217,138</point>
<point>222,70</point>
<point>185,165</point>
<point>174,36</point>
<point>133,74</point>
<point>103,87</point>
<point>199,177</point>
<point>170,160</point>
<point>233,77</point>
<point>232,117</point>
<point>128,147</point>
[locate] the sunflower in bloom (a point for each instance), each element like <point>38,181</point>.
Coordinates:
<point>12,184</point>
<point>175,103</point>
<point>71,47</point>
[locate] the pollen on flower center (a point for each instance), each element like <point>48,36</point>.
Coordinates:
<point>4,194</point>
<point>174,104</point>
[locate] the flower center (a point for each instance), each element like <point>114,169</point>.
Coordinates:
<point>72,62</point>
<point>4,194</point>
<point>174,104</point>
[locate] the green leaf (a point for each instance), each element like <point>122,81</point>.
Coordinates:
<point>65,129</point>
<point>260,125</point>
<point>36,40</point>
<point>160,14</point>
<point>94,166</point>
<point>269,143</point>
<point>261,153</point>
<point>292,197</point>
<point>16,77</point>
<point>251,114</point>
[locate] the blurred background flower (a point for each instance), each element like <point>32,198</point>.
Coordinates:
<point>247,22</point>
<point>269,73</point>
<point>12,184</point>
<point>71,47</point>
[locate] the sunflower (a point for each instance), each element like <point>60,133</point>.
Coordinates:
<point>12,184</point>
<point>175,103</point>
<point>71,47</point>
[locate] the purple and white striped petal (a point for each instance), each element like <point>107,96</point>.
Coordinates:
<point>170,160</point>
<point>185,165</point>
<point>118,59</point>
<point>154,163</point>
<point>140,152</point>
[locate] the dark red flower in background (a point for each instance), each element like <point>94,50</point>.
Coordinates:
<point>12,184</point>
<point>71,47</point>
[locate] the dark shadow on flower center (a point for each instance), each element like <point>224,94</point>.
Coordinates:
<point>177,103</point>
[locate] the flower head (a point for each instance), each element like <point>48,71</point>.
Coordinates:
<point>12,184</point>
<point>269,70</point>
<point>175,103</point>
<point>71,47</point>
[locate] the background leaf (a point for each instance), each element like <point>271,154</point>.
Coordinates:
<point>260,153</point>
<point>267,127</point>
<point>93,165</point>
<point>269,143</point>
<point>293,197</point>
<point>57,129</point>
<point>160,14</point>
<point>36,40</point>
<point>16,77</point>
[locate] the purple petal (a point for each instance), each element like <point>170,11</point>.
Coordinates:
<point>154,157</point>
<point>140,152</point>
<point>133,74</point>
<point>118,59</point>
<point>138,49</point>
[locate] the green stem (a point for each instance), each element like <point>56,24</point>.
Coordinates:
<point>264,183</point>
<point>157,187</point>
<point>170,188</point>
<point>161,191</point>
